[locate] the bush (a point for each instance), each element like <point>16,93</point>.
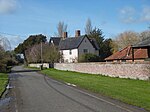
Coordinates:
<point>3,68</point>
<point>89,58</point>
<point>6,61</point>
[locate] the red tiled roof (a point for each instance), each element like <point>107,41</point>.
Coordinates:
<point>139,54</point>
<point>126,53</point>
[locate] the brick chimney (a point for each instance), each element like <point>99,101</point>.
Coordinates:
<point>65,35</point>
<point>77,33</point>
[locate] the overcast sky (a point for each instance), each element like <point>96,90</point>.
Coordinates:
<point>25,17</point>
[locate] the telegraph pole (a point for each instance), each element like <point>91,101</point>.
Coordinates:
<point>41,55</point>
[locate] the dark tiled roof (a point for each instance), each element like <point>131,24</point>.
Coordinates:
<point>55,40</point>
<point>94,43</point>
<point>70,43</point>
<point>126,54</point>
<point>144,43</point>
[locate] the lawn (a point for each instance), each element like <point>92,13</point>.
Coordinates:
<point>135,92</point>
<point>3,82</point>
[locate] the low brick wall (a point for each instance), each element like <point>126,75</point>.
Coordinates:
<point>37,65</point>
<point>121,70</point>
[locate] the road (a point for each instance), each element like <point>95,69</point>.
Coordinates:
<point>33,92</point>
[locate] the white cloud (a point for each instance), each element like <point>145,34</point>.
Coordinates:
<point>8,6</point>
<point>128,10</point>
<point>131,15</point>
<point>128,15</point>
<point>146,14</point>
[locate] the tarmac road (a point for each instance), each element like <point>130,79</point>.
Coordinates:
<point>33,92</point>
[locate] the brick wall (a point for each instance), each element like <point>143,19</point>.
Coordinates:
<point>123,70</point>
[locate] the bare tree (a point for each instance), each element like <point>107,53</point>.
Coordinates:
<point>1,53</point>
<point>1,48</point>
<point>50,53</point>
<point>33,54</point>
<point>144,35</point>
<point>88,27</point>
<point>126,38</point>
<point>4,42</point>
<point>61,27</point>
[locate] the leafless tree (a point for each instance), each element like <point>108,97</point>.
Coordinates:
<point>61,27</point>
<point>144,35</point>
<point>33,54</point>
<point>1,53</point>
<point>88,27</point>
<point>4,42</point>
<point>1,48</point>
<point>126,38</point>
<point>50,53</point>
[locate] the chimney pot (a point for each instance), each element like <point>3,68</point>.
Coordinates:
<point>65,35</point>
<point>77,33</point>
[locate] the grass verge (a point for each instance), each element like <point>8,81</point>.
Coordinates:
<point>135,92</point>
<point>3,82</point>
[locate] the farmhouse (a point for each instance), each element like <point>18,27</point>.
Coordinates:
<point>72,48</point>
<point>145,44</point>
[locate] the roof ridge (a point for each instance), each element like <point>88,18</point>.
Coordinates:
<point>124,48</point>
<point>128,52</point>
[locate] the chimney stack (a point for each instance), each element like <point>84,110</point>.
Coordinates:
<point>77,33</point>
<point>65,35</point>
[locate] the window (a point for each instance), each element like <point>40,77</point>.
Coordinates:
<point>85,50</point>
<point>70,52</point>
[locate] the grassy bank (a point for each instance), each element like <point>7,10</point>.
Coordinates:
<point>135,92</point>
<point>3,82</point>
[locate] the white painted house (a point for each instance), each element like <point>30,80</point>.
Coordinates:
<point>74,47</point>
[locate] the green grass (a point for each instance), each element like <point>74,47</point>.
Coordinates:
<point>135,92</point>
<point>3,82</point>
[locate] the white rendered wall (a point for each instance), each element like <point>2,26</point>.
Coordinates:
<point>70,57</point>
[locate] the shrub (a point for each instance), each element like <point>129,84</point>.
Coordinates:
<point>3,67</point>
<point>89,58</point>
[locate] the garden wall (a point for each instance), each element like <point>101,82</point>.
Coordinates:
<point>122,70</point>
<point>37,65</point>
